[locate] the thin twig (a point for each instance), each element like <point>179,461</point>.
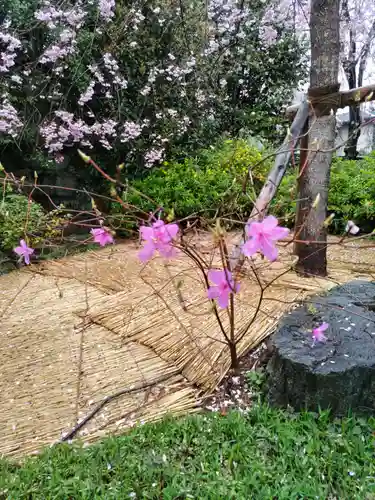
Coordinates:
<point>108,399</point>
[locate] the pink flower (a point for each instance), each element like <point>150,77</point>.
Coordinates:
<point>102,236</point>
<point>318,333</point>
<point>159,238</point>
<point>263,236</point>
<point>223,286</point>
<point>24,251</point>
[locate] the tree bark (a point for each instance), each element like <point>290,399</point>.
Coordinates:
<point>350,69</point>
<point>314,180</point>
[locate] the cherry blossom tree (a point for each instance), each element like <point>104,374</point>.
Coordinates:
<point>314,178</point>
<point>137,81</point>
<point>357,50</point>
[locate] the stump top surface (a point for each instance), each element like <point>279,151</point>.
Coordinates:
<point>350,312</point>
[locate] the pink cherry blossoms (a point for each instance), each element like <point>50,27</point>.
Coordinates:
<point>159,237</point>
<point>106,9</point>
<point>9,121</point>
<point>223,286</point>
<point>7,58</point>
<point>318,333</point>
<point>263,236</point>
<point>24,251</point>
<point>111,101</point>
<point>102,236</point>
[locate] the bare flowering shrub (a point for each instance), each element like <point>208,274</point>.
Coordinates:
<point>137,80</point>
<point>223,281</point>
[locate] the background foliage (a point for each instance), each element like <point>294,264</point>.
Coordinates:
<point>14,213</point>
<point>156,80</point>
<point>351,194</point>
<point>208,185</point>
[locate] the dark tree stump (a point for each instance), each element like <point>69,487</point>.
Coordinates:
<point>338,374</point>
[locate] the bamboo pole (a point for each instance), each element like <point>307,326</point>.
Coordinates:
<point>275,176</point>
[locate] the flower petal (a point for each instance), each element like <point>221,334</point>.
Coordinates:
<point>147,252</point>
<point>270,223</point>
<point>107,239</point>
<point>323,327</point>
<point>213,292</point>
<point>216,276</point>
<point>253,229</point>
<point>166,250</point>
<point>146,232</point>
<point>318,336</point>
<point>172,230</point>
<point>268,249</point>
<point>279,233</point>
<point>158,224</point>
<point>251,247</point>
<point>223,300</point>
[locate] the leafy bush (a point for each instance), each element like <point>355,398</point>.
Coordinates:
<point>212,184</point>
<point>16,215</point>
<point>351,194</point>
<point>208,185</point>
<point>19,217</point>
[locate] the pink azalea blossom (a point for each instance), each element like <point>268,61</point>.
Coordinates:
<point>102,236</point>
<point>24,251</point>
<point>262,238</point>
<point>223,286</point>
<point>318,333</point>
<point>158,237</point>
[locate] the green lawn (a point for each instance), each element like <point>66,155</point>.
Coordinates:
<point>265,455</point>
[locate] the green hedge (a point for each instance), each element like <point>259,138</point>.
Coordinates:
<point>208,185</point>
<point>14,216</point>
<point>211,184</point>
<point>351,194</point>
<point>18,219</point>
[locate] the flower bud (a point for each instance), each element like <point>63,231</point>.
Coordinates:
<point>328,220</point>
<point>84,157</point>
<point>316,201</point>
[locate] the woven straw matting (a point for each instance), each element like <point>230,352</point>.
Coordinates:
<point>76,330</point>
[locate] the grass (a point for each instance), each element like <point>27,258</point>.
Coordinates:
<point>266,454</point>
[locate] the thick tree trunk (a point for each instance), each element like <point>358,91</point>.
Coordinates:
<point>350,65</point>
<point>314,179</point>
<point>354,131</point>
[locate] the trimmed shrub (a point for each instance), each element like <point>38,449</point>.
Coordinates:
<point>211,184</point>
<point>207,186</point>
<point>16,217</point>
<point>351,194</point>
